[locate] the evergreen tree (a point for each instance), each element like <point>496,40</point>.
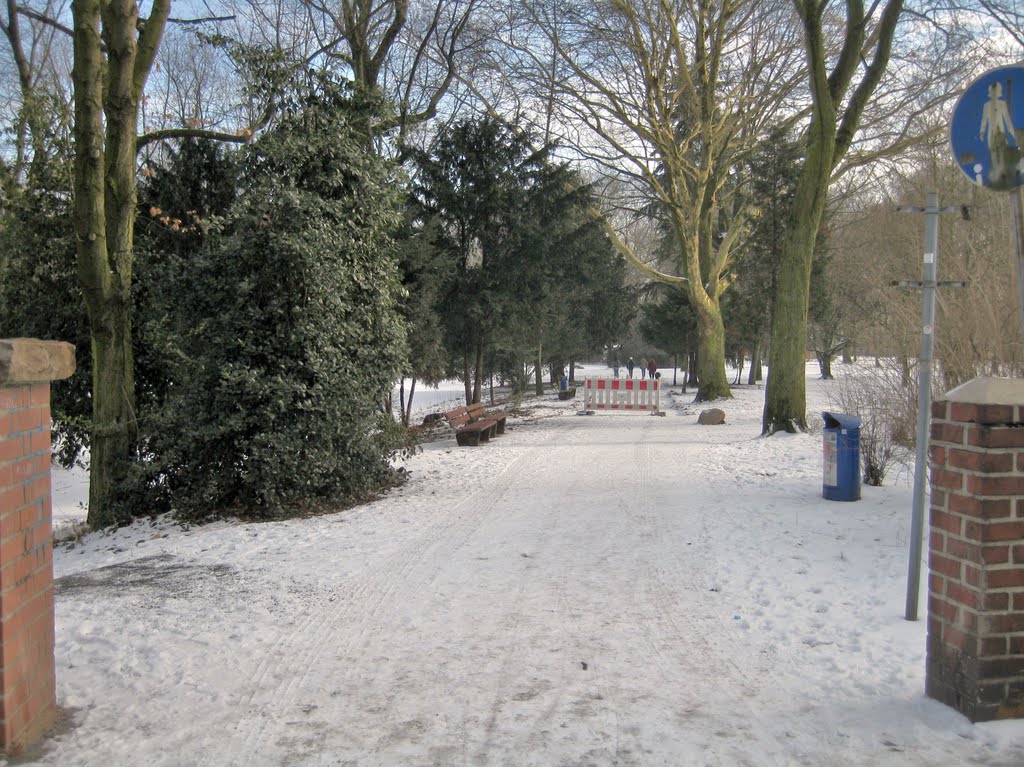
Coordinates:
<point>670,324</point>
<point>39,292</point>
<point>183,200</point>
<point>522,268</point>
<point>472,192</point>
<point>419,262</point>
<point>773,173</point>
<point>583,302</point>
<point>292,345</point>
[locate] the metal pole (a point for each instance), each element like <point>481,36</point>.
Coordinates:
<point>924,398</point>
<point>1016,201</point>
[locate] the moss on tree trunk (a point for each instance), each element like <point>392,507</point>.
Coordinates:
<point>109,72</point>
<point>713,382</point>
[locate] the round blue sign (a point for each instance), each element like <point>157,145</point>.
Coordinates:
<point>987,129</point>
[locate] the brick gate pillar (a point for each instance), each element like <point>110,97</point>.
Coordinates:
<point>28,700</point>
<point>976,552</point>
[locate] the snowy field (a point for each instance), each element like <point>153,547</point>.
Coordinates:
<point>585,590</point>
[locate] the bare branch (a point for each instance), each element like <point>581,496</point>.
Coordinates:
<point>169,133</point>
<point>240,137</point>
<point>204,20</point>
<point>30,14</point>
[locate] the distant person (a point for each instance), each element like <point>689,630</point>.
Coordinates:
<point>615,369</point>
<point>643,368</point>
<point>629,367</point>
<point>652,369</point>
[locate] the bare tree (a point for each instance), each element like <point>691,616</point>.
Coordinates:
<point>113,58</point>
<point>409,51</point>
<point>976,328</point>
<point>849,87</point>
<point>1008,15</point>
<point>34,51</point>
<point>669,97</point>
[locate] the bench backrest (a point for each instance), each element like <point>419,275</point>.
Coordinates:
<point>460,416</point>
<point>476,410</point>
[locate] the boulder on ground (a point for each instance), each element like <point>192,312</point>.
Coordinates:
<point>711,417</point>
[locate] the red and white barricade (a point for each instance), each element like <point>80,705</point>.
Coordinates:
<point>622,394</point>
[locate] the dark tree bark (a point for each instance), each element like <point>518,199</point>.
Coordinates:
<point>755,365</point>
<point>539,372</point>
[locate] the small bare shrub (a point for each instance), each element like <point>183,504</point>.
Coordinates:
<point>887,408</point>
<point>70,534</point>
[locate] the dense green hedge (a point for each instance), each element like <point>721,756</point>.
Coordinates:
<point>289,336</point>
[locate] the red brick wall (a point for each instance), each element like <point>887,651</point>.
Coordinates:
<point>27,682</point>
<point>976,560</point>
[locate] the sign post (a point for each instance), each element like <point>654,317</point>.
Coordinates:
<point>928,284</point>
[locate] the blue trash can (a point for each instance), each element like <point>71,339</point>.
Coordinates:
<point>841,457</point>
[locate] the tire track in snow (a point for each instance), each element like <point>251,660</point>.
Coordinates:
<point>675,586</point>
<point>526,701</point>
<point>291,667</point>
<point>423,573</point>
<point>579,701</point>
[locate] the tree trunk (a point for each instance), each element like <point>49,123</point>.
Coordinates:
<point>467,376</point>
<point>712,382</point>
<point>407,418</point>
<point>478,373</point>
<point>114,427</point>
<point>539,372</point>
<point>825,364</point>
<point>107,94</point>
<point>785,399</point>
<point>557,371</point>
<point>755,365</point>
<point>739,368</point>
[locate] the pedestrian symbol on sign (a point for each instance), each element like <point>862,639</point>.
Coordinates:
<point>986,130</point>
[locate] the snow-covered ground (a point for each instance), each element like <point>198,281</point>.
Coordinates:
<point>585,590</point>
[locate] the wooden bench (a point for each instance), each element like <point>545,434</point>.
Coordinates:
<point>479,413</point>
<point>469,431</point>
<point>474,425</point>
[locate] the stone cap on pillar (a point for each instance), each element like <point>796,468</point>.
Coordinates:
<point>27,360</point>
<point>988,390</point>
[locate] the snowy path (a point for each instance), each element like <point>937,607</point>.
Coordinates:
<point>519,619</point>
<point>607,590</point>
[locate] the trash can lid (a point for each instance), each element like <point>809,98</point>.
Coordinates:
<point>841,421</point>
